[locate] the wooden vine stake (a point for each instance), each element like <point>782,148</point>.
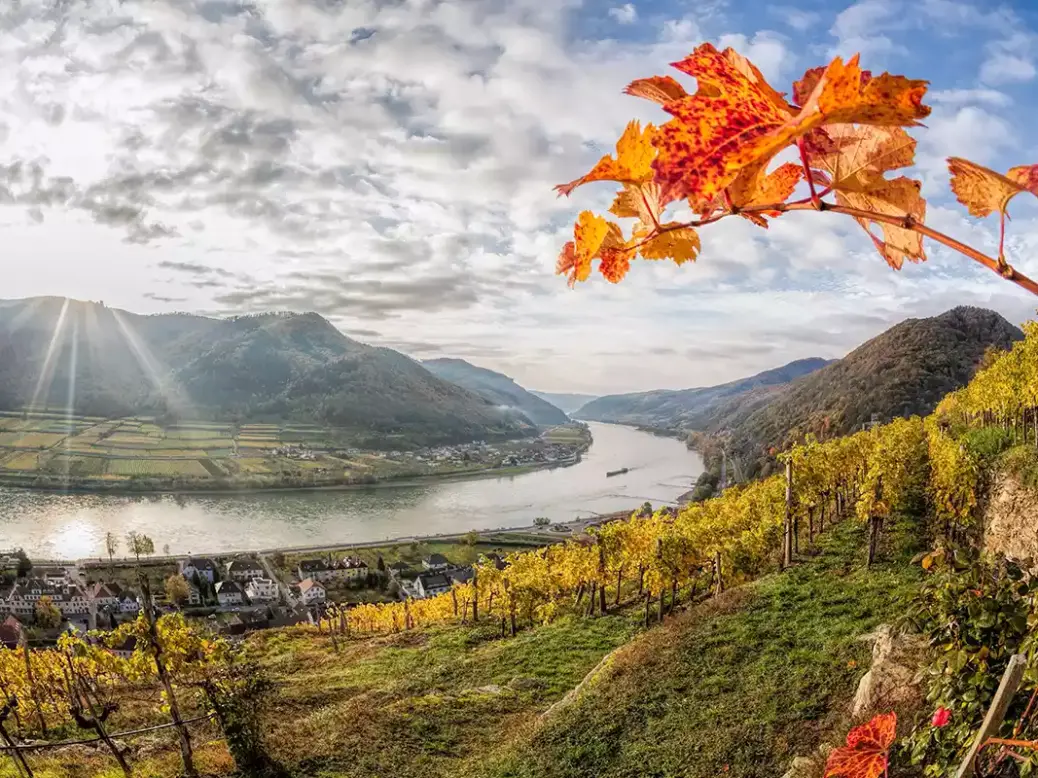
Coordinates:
<point>17,756</point>
<point>787,538</point>
<point>1011,679</point>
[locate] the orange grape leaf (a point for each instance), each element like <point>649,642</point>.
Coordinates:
<point>899,197</point>
<point>734,119</point>
<point>754,187</point>
<point>639,201</point>
<point>854,168</point>
<point>984,191</point>
<point>865,755</point>
<point>673,241</point>
<point>633,163</point>
<point>659,89</point>
<point>594,237</point>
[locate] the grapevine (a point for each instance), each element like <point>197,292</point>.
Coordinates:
<point>846,127</point>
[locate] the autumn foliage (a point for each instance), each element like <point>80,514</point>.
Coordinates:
<point>866,752</point>
<point>718,156</point>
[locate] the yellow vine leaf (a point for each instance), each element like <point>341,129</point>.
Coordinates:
<point>675,242</point>
<point>633,163</point>
<point>983,191</point>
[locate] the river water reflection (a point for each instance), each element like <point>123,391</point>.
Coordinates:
<point>74,525</point>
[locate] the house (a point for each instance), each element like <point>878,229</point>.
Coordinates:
<point>315,569</point>
<point>125,649</point>
<point>22,598</point>
<point>194,595</point>
<point>496,560</point>
<point>202,566</point>
<point>354,568</point>
<point>10,632</point>
<point>289,617</point>
<point>436,563</point>
<point>460,575</point>
<point>55,576</point>
<point>244,569</point>
<point>261,589</point>
<point>229,593</point>
<point>431,584</point>
<point>105,595</point>
<point>311,592</point>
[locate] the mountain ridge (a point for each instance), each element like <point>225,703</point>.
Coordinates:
<point>497,388</point>
<point>256,367</point>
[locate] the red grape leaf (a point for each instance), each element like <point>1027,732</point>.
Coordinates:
<point>865,755</point>
<point>659,89</point>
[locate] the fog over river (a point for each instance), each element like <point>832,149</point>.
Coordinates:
<point>48,524</point>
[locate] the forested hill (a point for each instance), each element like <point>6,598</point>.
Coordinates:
<point>268,366</point>
<point>905,370</point>
<point>691,408</point>
<point>496,388</point>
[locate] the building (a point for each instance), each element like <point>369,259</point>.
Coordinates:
<point>202,566</point>
<point>460,575</point>
<point>10,632</point>
<point>194,596</point>
<point>399,570</point>
<point>21,599</point>
<point>436,563</point>
<point>315,569</point>
<point>431,584</point>
<point>496,560</point>
<point>354,568</point>
<point>311,592</point>
<point>230,593</point>
<point>125,649</point>
<point>244,569</point>
<point>55,576</point>
<point>261,590</point>
<point>105,595</point>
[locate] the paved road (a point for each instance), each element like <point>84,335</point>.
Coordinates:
<point>286,591</point>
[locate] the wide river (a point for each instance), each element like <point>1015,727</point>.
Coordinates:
<point>53,525</point>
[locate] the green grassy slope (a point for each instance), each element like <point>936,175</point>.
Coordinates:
<point>748,681</point>
<point>738,687</point>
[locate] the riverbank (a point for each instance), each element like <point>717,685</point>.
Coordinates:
<point>575,439</point>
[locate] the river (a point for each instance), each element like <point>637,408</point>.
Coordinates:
<point>53,525</point>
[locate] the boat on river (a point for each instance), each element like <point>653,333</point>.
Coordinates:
<point>621,471</point>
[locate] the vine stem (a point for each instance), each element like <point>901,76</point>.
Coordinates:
<point>1003,269</point>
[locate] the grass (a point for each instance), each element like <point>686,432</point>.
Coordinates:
<point>736,690</point>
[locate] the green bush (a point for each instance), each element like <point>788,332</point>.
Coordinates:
<point>986,443</point>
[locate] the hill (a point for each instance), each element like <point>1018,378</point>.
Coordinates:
<point>568,403</point>
<point>690,408</point>
<point>264,367</point>
<point>497,389</point>
<point>905,370</point>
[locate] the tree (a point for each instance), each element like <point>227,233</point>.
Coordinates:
<point>541,521</point>
<point>111,546</point>
<point>46,613</point>
<point>177,590</point>
<point>139,545</point>
<point>24,563</point>
<point>165,549</point>
<point>471,537</point>
<point>844,124</point>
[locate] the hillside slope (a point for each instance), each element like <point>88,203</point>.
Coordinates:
<point>690,408</point>
<point>496,388</point>
<point>905,370</point>
<point>270,366</point>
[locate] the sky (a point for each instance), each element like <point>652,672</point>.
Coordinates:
<point>390,164</point>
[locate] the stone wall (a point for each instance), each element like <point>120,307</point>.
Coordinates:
<point>1010,519</point>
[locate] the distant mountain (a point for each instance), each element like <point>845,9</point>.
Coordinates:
<point>904,371</point>
<point>691,408</point>
<point>498,389</point>
<point>569,403</point>
<point>264,367</point>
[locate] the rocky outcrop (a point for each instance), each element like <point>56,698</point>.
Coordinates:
<point>1010,520</point>
<point>895,677</point>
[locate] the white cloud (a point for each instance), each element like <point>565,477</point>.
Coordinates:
<point>624,14</point>
<point>1006,68</point>
<point>989,97</point>
<point>390,165</point>
<point>861,29</point>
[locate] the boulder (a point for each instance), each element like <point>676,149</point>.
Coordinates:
<point>895,677</point>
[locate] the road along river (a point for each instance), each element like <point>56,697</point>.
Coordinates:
<point>53,525</point>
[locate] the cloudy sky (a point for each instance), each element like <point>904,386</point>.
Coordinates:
<point>389,164</point>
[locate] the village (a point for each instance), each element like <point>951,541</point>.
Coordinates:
<point>235,594</point>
